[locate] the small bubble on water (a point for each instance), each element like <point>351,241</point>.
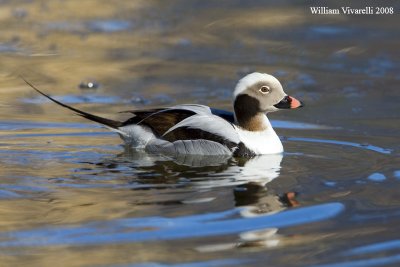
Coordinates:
<point>89,85</point>
<point>330,183</point>
<point>377,177</point>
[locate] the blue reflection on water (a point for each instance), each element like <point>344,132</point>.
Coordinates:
<point>378,247</point>
<point>109,25</point>
<point>137,229</point>
<point>5,194</point>
<point>365,263</point>
<point>377,177</point>
<point>298,125</point>
<point>101,26</point>
<point>330,30</point>
<point>21,125</point>
<point>75,99</point>
<point>211,263</point>
<point>344,143</point>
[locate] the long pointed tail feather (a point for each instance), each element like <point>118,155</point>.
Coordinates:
<point>110,123</point>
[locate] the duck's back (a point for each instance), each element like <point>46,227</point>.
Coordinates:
<point>182,129</point>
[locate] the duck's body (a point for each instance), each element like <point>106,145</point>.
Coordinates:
<point>201,130</point>
<point>196,129</point>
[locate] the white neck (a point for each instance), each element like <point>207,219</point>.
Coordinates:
<point>261,142</point>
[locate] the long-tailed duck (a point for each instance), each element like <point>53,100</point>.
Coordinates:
<point>201,130</point>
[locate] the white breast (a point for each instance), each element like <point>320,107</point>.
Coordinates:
<point>262,142</point>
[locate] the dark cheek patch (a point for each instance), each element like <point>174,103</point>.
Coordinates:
<point>246,106</point>
<point>247,111</point>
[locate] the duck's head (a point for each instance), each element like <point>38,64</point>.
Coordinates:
<point>261,92</point>
<point>257,94</point>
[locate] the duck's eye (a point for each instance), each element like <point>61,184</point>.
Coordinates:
<point>265,89</point>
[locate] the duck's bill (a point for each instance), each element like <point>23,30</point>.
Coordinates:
<point>289,102</point>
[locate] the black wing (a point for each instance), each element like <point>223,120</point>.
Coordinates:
<point>159,120</point>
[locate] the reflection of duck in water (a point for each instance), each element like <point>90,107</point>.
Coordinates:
<point>246,179</point>
<point>200,130</point>
<point>247,176</point>
<point>206,171</point>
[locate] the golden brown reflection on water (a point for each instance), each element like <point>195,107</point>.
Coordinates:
<point>153,53</point>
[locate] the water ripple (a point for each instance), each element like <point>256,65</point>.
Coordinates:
<point>211,263</point>
<point>378,247</point>
<point>137,229</point>
<point>343,143</point>
<point>365,263</point>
